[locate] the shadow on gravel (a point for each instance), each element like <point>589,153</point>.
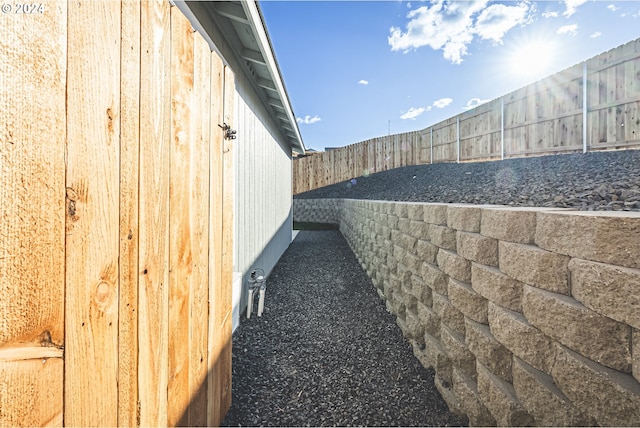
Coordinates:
<point>326,352</point>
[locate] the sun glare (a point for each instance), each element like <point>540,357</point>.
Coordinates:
<point>532,60</point>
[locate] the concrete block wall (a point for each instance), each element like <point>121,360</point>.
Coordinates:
<point>529,316</point>
<point>317,210</point>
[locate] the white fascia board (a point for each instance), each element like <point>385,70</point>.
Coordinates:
<point>262,38</point>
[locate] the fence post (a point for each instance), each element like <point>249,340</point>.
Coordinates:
<point>458,135</point>
<point>502,128</point>
<point>584,107</point>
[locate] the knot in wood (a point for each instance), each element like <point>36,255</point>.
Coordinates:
<point>104,295</point>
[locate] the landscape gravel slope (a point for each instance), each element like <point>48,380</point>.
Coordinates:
<point>592,181</point>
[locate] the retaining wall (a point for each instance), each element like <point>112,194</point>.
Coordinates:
<point>529,316</point>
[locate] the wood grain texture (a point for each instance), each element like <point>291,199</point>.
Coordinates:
<point>30,392</point>
<point>32,146</point>
<point>92,253</point>
<point>199,296</point>
<point>127,166</point>
<point>223,302</point>
<point>32,135</point>
<point>214,387</point>
<point>153,297</point>
<point>129,195</point>
<point>181,193</point>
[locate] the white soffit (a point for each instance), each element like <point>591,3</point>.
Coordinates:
<point>241,25</point>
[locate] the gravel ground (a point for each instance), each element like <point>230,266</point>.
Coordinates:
<point>326,352</point>
<point>591,181</point>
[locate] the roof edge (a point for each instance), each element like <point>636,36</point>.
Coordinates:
<point>195,11</point>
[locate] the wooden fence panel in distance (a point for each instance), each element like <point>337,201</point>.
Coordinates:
<point>352,160</point>
<point>93,223</point>
<point>32,235</point>
<point>371,156</point>
<point>480,132</point>
<point>545,117</point>
<point>614,98</point>
<point>423,151</point>
<point>380,155</point>
<point>327,166</point>
<point>445,141</point>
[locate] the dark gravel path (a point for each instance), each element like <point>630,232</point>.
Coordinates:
<point>326,352</point>
<point>591,181</point>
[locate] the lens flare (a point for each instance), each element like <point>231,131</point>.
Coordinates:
<point>531,59</point>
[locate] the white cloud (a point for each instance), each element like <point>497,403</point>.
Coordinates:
<point>549,14</point>
<point>596,34</point>
<point>473,103</point>
<point>414,112</point>
<point>613,7</point>
<point>494,22</point>
<point>442,102</point>
<point>572,6</point>
<point>450,26</point>
<point>363,82</point>
<point>308,120</point>
<point>571,30</point>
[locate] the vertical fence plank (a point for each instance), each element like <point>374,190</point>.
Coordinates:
<point>223,303</point>
<point>155,115</point>
<point>215,235</point>
<point>181,251</point>
<point>221,243</point>
<point>327,167</point>
<point>92,244</point>
<point>32,144</point>
<point>129,170</point>
<point>631,90</point>
<point>199,297</point>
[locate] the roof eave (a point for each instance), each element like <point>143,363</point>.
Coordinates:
<point>252,53</point>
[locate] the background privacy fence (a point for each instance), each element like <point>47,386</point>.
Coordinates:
<point>594,105</point>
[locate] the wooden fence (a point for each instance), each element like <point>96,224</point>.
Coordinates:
<point>115,222</point>
<point>594,105</point>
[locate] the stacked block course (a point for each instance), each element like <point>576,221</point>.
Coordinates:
<point>317,210</point>
<point>529,316</point>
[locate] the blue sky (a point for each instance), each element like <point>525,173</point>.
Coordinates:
<point>356,70</point>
